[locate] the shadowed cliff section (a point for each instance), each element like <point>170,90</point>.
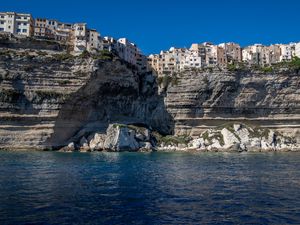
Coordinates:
<point>113,94</point>
<point>48,97</point>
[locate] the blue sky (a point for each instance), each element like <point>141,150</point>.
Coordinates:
<point>159,24</point>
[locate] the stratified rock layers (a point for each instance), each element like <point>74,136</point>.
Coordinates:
<point>49,99</point>
<point>202,100</point>
<point>46,100</point>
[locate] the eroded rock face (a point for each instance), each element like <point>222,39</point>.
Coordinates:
<point>200,100</point>
<point>120,138</point>
<point>117,138</point>
<point>49,99</point>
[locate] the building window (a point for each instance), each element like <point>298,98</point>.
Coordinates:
<point>24,30</point>
<point>18,30</point>
<point>25,24</point>
<point>1,29</point>
<point>2,16</point>
<point>2,22</point>
<point>9,27</point>
<point>25,18</point>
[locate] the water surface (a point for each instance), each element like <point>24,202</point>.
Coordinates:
<point>149,188</point>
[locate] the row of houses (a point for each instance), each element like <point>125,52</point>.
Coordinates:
<point>259,54</point>
<point>197,56</point>
<point>78,36</point>
<point>210,55</point>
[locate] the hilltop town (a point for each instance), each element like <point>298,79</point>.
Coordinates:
<point>65,87</point>
<point>80,38</point>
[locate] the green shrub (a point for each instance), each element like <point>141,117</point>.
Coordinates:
<point>217,135</point>
<point>268,69</point>
<point>85,54</point>
<point>103,55</point>
<point>171,140</point>
<point>62,56</point>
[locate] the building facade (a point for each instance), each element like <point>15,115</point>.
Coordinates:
<point>128,51</point>
<point>297,50</point>
<point>16,23</point>
<point>232,52</point>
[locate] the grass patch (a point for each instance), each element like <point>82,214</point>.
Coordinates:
<point>259,133</point>
<point>103,55</point>
<point>210,137</point>
<point>171,140</point>
<point>268,69</point>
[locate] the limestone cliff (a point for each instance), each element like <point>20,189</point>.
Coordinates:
<point>199,100</point>
<point>48,98</point>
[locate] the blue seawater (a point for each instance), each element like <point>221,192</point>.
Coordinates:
<point>149,188</point>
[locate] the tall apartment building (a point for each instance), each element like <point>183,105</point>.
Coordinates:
<point>275,53</point>
<point>63,32</point>
<point>215,55</point>
<point>42,29</point>
<point>16,23</point>
<point>93,39</point>
<point>286,52</point>
<point>83,38</point>
<point>233,52</point>
<point>128,51</point>
<point>154,63</point>
<point>80,37</point>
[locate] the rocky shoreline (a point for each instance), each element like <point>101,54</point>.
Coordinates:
<point>228,138</point>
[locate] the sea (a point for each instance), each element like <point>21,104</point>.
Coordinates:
<point>149,188</point>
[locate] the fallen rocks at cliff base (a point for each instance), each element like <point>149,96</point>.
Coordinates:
<point>118,138</point>
<point>226,138</point>
<point>236,138</point>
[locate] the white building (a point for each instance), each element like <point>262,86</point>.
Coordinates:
<point>128,51</point>
<point>192,60</point>
<point>80,37</point>
<point>286,52</point>
<point>109,44</point>
<point>297,50</point>
<point>16,23</point>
